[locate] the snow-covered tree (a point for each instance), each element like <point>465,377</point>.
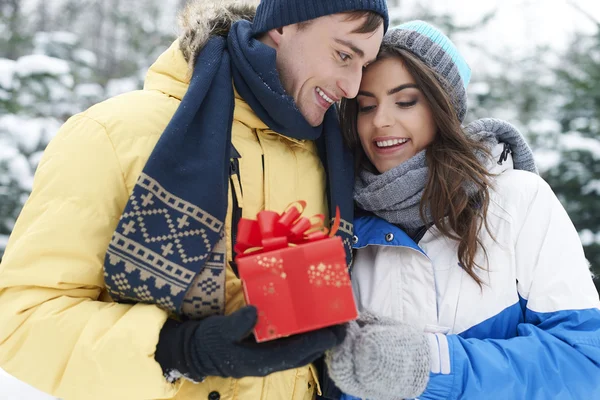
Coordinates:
<point>22,140</point>
<point>554,98</point>
<point>38,91</point>
<point>48,74</point>
<point>576,179</point>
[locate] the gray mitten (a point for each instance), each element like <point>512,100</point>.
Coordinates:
<point>381,360</point>
<point>368,317</point>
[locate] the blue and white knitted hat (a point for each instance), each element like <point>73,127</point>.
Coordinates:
<point>439,53</point>
<point>272,14</point>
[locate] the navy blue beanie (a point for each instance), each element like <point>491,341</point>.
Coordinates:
<point>272,14</point>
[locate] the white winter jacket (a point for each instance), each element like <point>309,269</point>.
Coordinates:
<point>532,331</point>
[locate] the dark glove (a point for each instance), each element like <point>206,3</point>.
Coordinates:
<point>219,346</point>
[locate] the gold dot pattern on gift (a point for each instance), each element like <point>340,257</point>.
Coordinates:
<point>271,330</point>
<point>328,275</point>
<point>269,289</point>
<point>274,264</point>
<point>336,305</point>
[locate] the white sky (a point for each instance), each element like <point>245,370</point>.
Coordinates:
<point>518,27</point>
<point>521,24</point>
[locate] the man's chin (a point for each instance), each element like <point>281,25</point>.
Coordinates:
<point>314,119</point>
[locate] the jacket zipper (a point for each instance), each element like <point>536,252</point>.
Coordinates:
<point>237,204</point>
<point>505,152</point>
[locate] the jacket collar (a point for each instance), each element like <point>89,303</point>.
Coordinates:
<point>374,231</point>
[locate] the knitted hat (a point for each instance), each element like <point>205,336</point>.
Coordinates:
<point>439,53</point>
<point>272,14</point>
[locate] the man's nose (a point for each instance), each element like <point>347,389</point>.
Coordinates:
<point>350,83</point>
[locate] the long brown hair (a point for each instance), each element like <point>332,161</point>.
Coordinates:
<point>451,159</point>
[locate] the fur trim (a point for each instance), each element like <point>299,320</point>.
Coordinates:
<point>202,19</point>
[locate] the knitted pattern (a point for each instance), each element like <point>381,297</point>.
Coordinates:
<point>383,360</point>
<point>396,194</point>
<point>504,132</point>
<point>272,14</point>
<point>169,247</point>
<point>439,53</point>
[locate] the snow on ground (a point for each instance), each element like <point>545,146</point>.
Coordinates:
<point>13,389</point>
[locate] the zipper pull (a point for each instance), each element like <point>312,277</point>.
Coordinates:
<point>505,153</point>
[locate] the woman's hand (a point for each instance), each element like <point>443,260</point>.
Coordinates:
<point>380,359</point>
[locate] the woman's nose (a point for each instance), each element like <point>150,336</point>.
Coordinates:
<point>383,118</point>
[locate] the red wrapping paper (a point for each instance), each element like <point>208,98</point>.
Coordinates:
<point>294,273</point>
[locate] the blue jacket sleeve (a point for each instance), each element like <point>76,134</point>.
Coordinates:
<point>554,356</point>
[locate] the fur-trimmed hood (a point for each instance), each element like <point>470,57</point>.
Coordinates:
<point>202,19</point>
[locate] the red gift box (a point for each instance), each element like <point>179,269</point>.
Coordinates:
<point>294,273</point>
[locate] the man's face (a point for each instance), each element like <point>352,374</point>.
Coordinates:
<point>323,62</point>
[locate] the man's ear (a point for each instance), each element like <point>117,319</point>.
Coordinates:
<point>275,36</point>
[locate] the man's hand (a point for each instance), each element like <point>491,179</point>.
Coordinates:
<point>220,346</point>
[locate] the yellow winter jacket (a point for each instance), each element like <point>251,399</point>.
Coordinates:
<point>59,330</point>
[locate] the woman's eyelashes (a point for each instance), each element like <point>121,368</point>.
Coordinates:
<point>402,104</point>
<point>406,104</point>
<point>364,109</point>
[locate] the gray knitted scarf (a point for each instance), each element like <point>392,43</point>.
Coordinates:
<point>396,194</point>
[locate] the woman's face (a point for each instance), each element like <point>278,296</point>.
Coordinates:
<point>395,121</point>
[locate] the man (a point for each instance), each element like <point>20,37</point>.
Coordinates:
<point>133,211</point>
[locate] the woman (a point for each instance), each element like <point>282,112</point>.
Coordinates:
<point>470,276</point>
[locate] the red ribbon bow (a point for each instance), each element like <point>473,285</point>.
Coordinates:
<point>273,231</point>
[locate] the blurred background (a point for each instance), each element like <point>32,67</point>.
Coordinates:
<point>536,63</point>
